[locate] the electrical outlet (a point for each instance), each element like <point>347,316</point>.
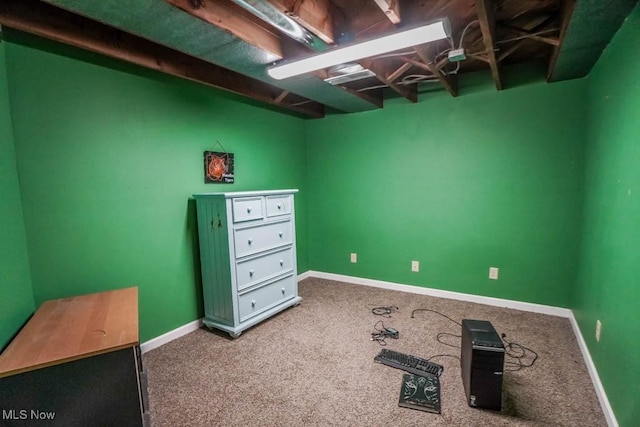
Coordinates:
<point>415,266</point>
<point>354,258</point>
<point>598,328</point>
<point>493,273</point>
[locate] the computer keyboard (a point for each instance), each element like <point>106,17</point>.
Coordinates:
<point>412,364</point>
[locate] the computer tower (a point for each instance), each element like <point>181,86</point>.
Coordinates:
<point>482,363</point>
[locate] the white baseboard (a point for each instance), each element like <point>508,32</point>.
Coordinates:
<point>498,302</point>
<point>185,329</point>
<point>170,336</point>
<point>304,275</point>
<point>593,373</point>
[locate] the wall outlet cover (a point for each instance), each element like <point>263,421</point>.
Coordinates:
<point>493,273</point>
<point>415,266</point>
<point>598,329</point>
<point>354,258</point>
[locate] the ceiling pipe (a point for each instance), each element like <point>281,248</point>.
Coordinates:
<point>268,13</point>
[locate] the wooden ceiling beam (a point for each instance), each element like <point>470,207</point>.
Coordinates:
<point>317,16</point>
<point>382,74</point>
<point>41,19</point>
<point>449,83</point>
<point>281,97</point>
<point>375,100</point>
<point>371,96</point>
<point>398,72</point>
<point>235,20</point>
<point>479,56</point>
<point>568,6</point>
<point>442,63</point>
<point>243,24</point>
<point>535,35</point>
<point>505,53</point>
<point>439,9</point>
<point>485,11</point>
<point>391,9</point>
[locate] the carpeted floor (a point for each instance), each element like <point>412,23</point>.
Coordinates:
<point>313,365</point>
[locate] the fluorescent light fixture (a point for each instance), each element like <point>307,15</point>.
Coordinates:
<point>427,33</point>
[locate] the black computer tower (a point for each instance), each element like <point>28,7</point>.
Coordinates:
<point>482,363</point>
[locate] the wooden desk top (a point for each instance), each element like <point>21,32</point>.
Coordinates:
<point>74,328</point>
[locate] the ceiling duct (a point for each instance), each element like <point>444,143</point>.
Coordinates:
<point>346,73</point>
<point>268,13</point>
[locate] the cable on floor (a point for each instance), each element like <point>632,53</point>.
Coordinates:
<point>384,311</point>
<point>382,333</point>
<point>437,312</point>
<point>518,354</point>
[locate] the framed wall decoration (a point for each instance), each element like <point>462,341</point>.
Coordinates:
<point>218,167</point>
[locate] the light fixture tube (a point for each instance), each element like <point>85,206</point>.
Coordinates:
<point>400,40</point>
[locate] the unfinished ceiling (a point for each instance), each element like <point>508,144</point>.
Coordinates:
<point>230,44</point>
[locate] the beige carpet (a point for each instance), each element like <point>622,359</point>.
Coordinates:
<point>313,365</point>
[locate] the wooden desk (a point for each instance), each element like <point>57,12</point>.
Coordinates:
<point>79,359</point>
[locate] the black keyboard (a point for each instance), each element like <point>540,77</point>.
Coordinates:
<point>412,364</point>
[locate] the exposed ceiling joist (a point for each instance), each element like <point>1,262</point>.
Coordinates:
<point>398,72</point>
<point>324,13</point>
<point>442,63</point>
<point>241,23</point>
<point>568,6</point>
<point>374,100</point>
<point>282,96</point>
<point>450,83</point>
<point>479,56</point>
<point>436,10</point>
<point>230,44</point>
<point>391,8</point>
<point>47,21</point>
<point>486,16</point>
<point>536,35</point>
<point>506,52</point>
<point>234,19</point>
<point>407,91</point>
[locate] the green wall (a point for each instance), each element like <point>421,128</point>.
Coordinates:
<point>459,184</point>
<point>98,160</point>
<point>608,281</point>
<point>16,302</point>
<point>108,156</point>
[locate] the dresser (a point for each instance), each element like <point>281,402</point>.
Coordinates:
<point>76,362</point>
<point>247,257</point>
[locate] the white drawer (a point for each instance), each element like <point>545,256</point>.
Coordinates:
<point>278,205</point>
<point>260,237</point>
<point>255,270</point>
<point>266,297</point>
<point>247,209</point>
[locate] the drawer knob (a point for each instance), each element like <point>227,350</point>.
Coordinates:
<point>281,263</point>
<point>251,273</point>
<point>253,303</point>
<point>279,206</point>
<point>250,241</point>
<point>283,291</point>
<point>280,233</point>
<point>248,210</point>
